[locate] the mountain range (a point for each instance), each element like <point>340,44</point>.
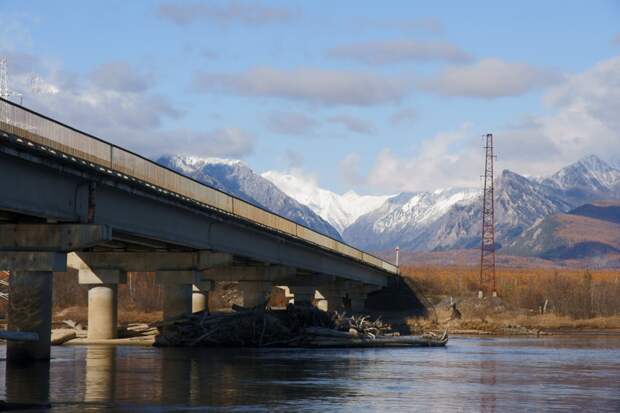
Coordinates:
<point>449,219</point>
<point>440,220</point>
<point>236,178</point>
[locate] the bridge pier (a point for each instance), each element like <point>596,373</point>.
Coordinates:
<point>334,294</point>
<point>178,291</point>
<point>102,301</point>
<point>30,300</point>
<point>200,295</point>
<point>176,271</point>
<point>255,293</point>
<point>357,294</point>
<point>30,309</point>
<point>303,294</point>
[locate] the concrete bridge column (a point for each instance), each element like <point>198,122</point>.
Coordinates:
<point>178,287</point>
<point>334,294</point>
<point>357,294</point>
<point>255,293</point>
<point>102,301</point>
<point>30,300</point>
<point>290,298</point>
<point>30,309</point>
<point>200,295</point>
<point>303,294</point>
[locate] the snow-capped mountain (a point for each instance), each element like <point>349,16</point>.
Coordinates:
<point>339,210</point>
<point>587,180</point>
<point>448,219</point>
<point>413,221</point>
<point>236,178</point>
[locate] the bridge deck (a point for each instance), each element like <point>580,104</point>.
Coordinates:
<point>34,129</point>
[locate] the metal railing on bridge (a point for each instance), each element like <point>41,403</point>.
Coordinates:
<point>35,128</point>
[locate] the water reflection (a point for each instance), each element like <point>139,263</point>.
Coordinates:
<point>28,383</point>
<point>488,379</point>
<point>100,374</point>
<point>470,375</point>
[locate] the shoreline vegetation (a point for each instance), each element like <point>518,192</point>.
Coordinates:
<point>531,301</point>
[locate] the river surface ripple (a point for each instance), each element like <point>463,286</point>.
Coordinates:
<point>471,374</point>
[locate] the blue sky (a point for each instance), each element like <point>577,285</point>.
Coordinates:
<point>376,97</point>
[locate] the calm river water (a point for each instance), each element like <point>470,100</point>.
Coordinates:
<point>471,374</point>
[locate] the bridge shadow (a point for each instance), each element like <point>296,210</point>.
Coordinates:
<point>399,296</point>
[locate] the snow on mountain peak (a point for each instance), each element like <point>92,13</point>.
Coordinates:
<point>339,210</point>
<point>425,207</point>
<point>589,172</point>
<point>189,164</point>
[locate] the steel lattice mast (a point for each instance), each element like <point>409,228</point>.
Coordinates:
<point>487,248</point>
<point>4,81</point>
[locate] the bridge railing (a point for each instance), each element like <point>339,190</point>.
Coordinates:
<point>39,129</point>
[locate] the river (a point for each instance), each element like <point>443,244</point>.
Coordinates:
<point>554,373</point>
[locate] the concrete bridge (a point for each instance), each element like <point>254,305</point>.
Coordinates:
<point>71,200</point>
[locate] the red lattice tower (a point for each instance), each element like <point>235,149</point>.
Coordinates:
<point>487,247</point>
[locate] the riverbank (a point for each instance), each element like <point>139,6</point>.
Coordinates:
<point>493,316</point>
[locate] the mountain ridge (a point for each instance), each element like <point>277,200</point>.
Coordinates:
<point>236,178</point>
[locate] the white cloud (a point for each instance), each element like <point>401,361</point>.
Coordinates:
<point>330,87</point>
<point>354,124</point>
<point>489,78</point>
<point>616,39</point>
<point>398,51</point>
<point>242,12</point>
<point>435,164</point>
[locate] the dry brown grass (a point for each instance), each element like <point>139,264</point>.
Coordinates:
<point>574,293</point>
<point>554,321</point>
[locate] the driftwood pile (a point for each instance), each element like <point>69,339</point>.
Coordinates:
<point>296,326</point>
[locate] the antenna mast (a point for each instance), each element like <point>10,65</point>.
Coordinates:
<point>487,247</point>
<point>5,92</point>
<point>4,81</point>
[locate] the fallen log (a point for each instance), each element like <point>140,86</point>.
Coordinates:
<point>400,341</point>
<point>328,332</point>
<point>61,336</point>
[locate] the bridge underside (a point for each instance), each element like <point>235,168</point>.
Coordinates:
<point>58,213</point>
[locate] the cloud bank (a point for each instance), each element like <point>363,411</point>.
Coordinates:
<point>310,85</point>
<point>582,120</point>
